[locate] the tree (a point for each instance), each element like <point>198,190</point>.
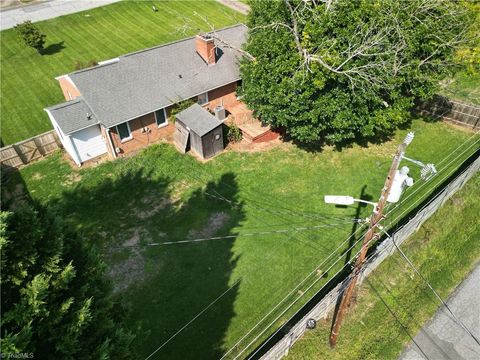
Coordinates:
<point>56,302</point>
<point>340,70</point>
<point>31,35</point>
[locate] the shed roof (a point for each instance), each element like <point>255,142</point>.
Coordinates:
<point>151,79</point>
<point>198,120</point>
<point>73,115</point>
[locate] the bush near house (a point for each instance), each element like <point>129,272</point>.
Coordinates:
<point>162,196</point>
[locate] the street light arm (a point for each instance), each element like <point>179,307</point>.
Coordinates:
<point>366,202</point>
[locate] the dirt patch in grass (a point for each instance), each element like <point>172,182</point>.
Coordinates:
<point>215,222</point>
<point>155,206</point>
<point>72,178</point>
<point>130,268</point>
<point>245,146</point>
<point>37,176</point>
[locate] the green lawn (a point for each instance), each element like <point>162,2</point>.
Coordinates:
<point>161,195</point>
<point>445,250</point>
<point>463,87</point>
<point>28,83</point>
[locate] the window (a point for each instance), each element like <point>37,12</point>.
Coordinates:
<point>123,131</point>
<point>161,117</point>
<point>202,99</point>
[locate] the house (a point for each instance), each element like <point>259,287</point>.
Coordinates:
<point>124,104</point>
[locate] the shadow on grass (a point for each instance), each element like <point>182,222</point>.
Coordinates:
<point>353,236</point>
<point>53,48</point>
<point>165,286</point>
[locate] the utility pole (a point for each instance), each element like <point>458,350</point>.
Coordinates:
<point>371,234</point>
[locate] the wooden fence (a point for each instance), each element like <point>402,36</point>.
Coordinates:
<point>463,114</point>
<point>26,151</point>
<point>383,251</point>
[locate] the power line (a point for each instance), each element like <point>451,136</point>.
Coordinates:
<point>411,194</point>
<point>396,218</point>
<point>300,284</point>
<point>193,319</point>
<point>443,169</point>
<point>206,308</point>
<point>298,298</point>
<point>396,318</point>
<point>223,198</point>
<point>457,320</point>
<point>259,233</point>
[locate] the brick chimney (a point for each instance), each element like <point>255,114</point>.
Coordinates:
<point>205,47</point>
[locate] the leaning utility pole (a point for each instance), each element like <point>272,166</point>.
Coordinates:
<point>371,234</point>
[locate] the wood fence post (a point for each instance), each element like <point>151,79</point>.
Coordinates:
<point>19,153</point>
<point>39,146</point>
<point>57,140</point>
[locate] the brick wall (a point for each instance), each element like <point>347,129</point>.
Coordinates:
<point>226,94</point>
<point>69,90</point>
<point>141,138</point>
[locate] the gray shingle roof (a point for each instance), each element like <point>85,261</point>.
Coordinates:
<point>199,120</point>
<point>145,81</point>
<point>73,115</point>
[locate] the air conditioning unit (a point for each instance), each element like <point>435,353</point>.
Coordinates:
<point>220,113</point>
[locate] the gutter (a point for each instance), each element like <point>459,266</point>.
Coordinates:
<point>110,142</point>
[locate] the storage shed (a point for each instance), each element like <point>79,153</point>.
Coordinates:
<point>198,130</point>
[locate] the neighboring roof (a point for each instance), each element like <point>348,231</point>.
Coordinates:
<point>73,115</point>
<point>198,120</point>
<point>148,80</point>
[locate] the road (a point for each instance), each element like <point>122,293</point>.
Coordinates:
<point>46,10</point>
<point>442,338</point>
<point>49,9</point>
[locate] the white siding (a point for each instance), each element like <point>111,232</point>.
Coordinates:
<point>89,143</point>
<point>66,141</point>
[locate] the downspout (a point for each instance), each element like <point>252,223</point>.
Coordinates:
<point>107,131</point>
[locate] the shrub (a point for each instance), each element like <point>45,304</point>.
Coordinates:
<point>31,35</point>
<point>78,65</point>
<point>233,133</point>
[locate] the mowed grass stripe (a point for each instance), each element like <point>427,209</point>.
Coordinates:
<point>28,79</point>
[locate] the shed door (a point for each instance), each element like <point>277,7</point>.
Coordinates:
<point>213,142</point>
<point>89,143</point>
<point>181,137</point>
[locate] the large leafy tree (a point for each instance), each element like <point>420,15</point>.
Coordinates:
<point>340,70</point>
<point>56,302</point>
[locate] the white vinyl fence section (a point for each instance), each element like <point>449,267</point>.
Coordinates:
<point>384,250</point>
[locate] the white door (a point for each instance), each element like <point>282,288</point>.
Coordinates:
<point>89,143</point>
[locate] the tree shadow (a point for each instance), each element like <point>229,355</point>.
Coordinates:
<point>13,190</point>
<point>165,286</point>
<point>53,48</point>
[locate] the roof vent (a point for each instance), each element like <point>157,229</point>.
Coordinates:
<point>205,46</point>
<point>89,116</point>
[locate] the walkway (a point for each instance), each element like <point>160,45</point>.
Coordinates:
<point>46,10</point>
<point>442,338</point>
